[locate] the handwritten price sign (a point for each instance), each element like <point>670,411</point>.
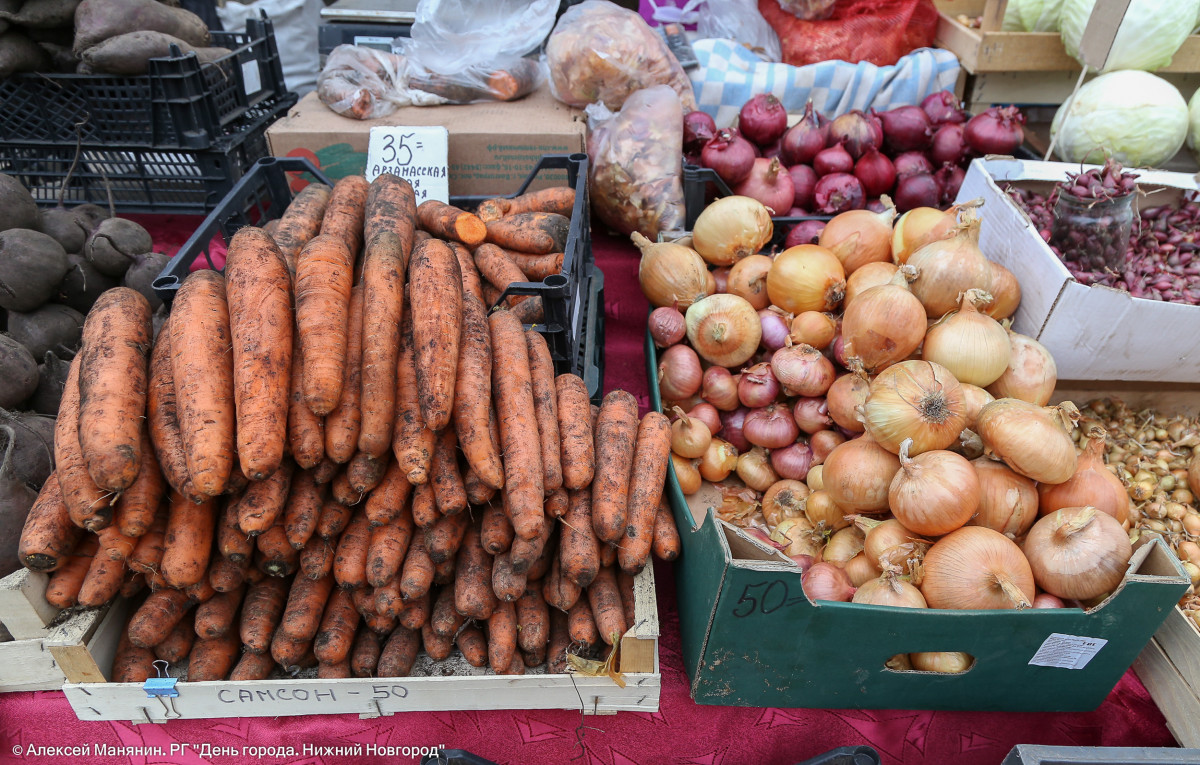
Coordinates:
<point>416,154</point>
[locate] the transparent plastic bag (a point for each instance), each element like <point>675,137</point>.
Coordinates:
<point>740,21</point>
<point>365,83</point>
<point>600,52</point>
<point>637,162</point>
<point>809,10</point>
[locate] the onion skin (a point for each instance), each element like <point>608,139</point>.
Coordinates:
<point>949,267</point>
<point>857,475</point>
<point>804,184</point>
<point>844,397</point>
<point>724,329</point>
<point>814,328</point>
<point>670,274</point>
<point>698,129</point>
<point>856,131</point>
<point>667,326</point>
<point>917,228</point>
<point>748,279</point>
<point>883,325</point>
<point>906,128</point>
<point>976,399</point>
<point>679,374</point>
<point>806,278</point>
<point>1091,484</point>
<point>971,344</point>
<point>949,145</point>
<point>719,388</point>
<point>917,190</point>
<point>868,276</point>
<point>1078,553</point>
<point>784,499</point>
<point>812,414</point>
<point>802,370</point>
<point>731,228</point>
<point>1028,439</point>
<point>920,400</point>
<point>1006,293</point>
<point>890,591</point>
<point>762,119</point>
<point>804,140</point>
<point>934,493</point>
<point>977,568</point>
<point>875,172</point>
<point>719,460</point>
<point>825,581</point>
<point>1008,501</point>
<point>768,182</point>
<point>838,193</point>
<point>1031,374</point>
<point>859,237</point>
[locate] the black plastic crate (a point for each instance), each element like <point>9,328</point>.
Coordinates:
<point>141,179</point>
<point>696,181</point>
<point>572,301</point>
<point>180,104</point>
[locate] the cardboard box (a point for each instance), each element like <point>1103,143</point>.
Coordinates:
<point>493,146</point>
<point>1094,333</point>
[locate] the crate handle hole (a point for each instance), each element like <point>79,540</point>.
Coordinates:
<point>556,281</point>
<point>166,283</point>
<point>931,663</point>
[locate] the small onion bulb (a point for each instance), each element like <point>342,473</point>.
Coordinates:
<point>972,345</point>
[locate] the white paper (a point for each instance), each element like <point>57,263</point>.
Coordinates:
<point>370,41</point>
<point>416,154</point>
<point>1067,651</point>
<point>251,77</point>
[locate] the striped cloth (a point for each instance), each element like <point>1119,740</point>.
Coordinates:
<point>729,75</point>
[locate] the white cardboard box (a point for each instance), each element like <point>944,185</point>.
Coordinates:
<point>1094,333</point>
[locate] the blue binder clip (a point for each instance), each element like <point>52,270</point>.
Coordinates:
<point>162,688</point>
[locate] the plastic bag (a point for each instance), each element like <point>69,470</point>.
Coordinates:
<point>600,52</point>
<point>809,10</point>
<point>740,21</point>
<point>876,31</point>
<point>637,162</point>
<point>516,78</point>
<point>365,83</point>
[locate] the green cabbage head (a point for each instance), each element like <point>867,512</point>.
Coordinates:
<point>1150,33</point>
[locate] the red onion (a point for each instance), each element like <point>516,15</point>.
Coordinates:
<point>802,370</point>
<point>996,131</point>
<point>835,159</point>
<point>838,193</point>
<point>942,108</point>
<point>823,442</point>
<point>906,128</point>
<point>919,190</point>
<point>812,414</point>
<point>804,181</point>
<point>770,427</point>
<point>949,145</point>
<point>769,183</point>
<point>876,205</point>
<point>708,414</point>
<point>721,277</point>
<point>679,373</point>
<point>949,178</point>
<point>719,388</point>
<point>773,151</point>
<point>698,129</point>
<point>803,140</point>
<point>825,581</point>
<point>838,346</point>
<point>764,537</point>
<point>856,130</point>
<point>731,430</point>
<point>762,119</point>
<point>1046,600</point>
<point>792,461</point>
<point>876,173</point>
<point>804,232</point>
<point>911,163</point>
<point>775,329</point>
<point>758,386</point>
<point>730,155</point>
<point>667,326</point>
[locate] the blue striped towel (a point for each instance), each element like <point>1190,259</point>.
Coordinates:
<point>729,75</point>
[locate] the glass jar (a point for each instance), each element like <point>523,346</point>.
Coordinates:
<point>1093,234</point>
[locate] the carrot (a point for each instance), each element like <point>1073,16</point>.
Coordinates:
<point>383,304</point>
<point>324,276</point>
<point>342,492</point>
<point>135,582</point>
<point>435,298</point>
<point>473,394</point>
<point>276,556</point>
<point>523,473</point>
<point>262,608</point>
<point>560,641</point>
<point>506,583</point>
<point>539,233</point>
<point>48,535</point>
<point>215,618</point>
<point>115,545</point>
<point>336,634</point>
<point>666,535</point>
<point>131,663</point>
<point>86,503</point>
<point>444,572</point>
<point>445,537</point>
<point>498,270</point>
<point>502,636</point>
<point>252,666</point>
<point>176,646</point>
<point>301,221</point>
<point>342,425</point>
<point>380,625</point>
<point>339,671</point>
<point>135,509</point>
<point>496,531</point>
<point>148,554</point>
<point>62,591</point>
<point>325,471</point>
<point>608,555</point>
<point>436,646</point>
<point>200,592</point>
<point>316,559</point>
<point>416,612</point>
<point>386,549</point>
<point>595,416</point>
<point>424,507</point>
<point>364,655</point>
<point>473,644</point>
<point>616,435</point>
<point>302,508</point>
<point>559,591</point>
<point>212,658</point>
<point>292,655</point>
<point>445,619</point>
<point>399,653</point>
<point>306,431</point>
<point>605,599</point>
<point>579,551</point>
<point>412,442</point>
<point>650,458</point>
<point>448,490</point>
<point>388,501</point>
<point>625,586</point>
<point>577,448</point>
<point>262,504</point>
<point>416,574</point>
<point>238,482</point>
<point>478,492</point>
<point>536,267</point>
<point>350,561</point>
<point>188,541</point>
<point>226,576</point>
<point>333,518</point>
<point>232,542</point>
<point>527,311</point>
<point>581,626</point>
<point>364,472</point>
<point>473,596</point>
<point>470,274</point>
<point>305,604</point>
<point>526,551</point>
<point>388,602</point>
<point>449,222</point>
<point>559,199</point>
<point>346,213</point>
<point>157,616</point>
<point>545,407</point>
<point>391,206</point>
<point>533,622</point>
<point>556,503</point>
<point>162,417</point>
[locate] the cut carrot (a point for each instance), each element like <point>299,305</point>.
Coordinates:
<point>449,222</point>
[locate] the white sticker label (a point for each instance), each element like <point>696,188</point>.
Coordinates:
<point>1067,651</point>
<point>382,43</point>
<point>416,154</point>
<point>251,77</point>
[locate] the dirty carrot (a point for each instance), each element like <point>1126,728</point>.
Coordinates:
<point>232,542</point>
<point>391,207</point>
<point>212,658</point>
<point>625,585</point>
<point>333,518</point>
<point>292,655</point>
<point>399,653</point>
<point>364,655</point>
<point>62,591</point>
<point>412,441</point>
<point>536,267</point>
<point>424,507</point>
<point>577,449</point>
<point>262,608</point>
<point>263,501</point>
<point>502,636</point>
<point>560,641</point>
<point>538,233</point>
<point>473,644</point>
<point>157,615</point>
<point>444,538</point>
<point>473,394</point>
<point>324,276</point>
<point>302,508</point>
<point>301,221</point>
<point>437,646</point>
<point>131,664</point>
<point>513,394</point>
<point>526,551</point>
<point>444,618</point>
<point>435,300</point>
<point>579,551</point>
<point>389,499</point>
<point>306,431</point>
<point>188,541</point>
<point>350,561</point>
<point>346,212</point>
<point>252,666</point>
<point>558,199</point>
<point>496,531</point>
<point>470,274</point>
<point>447,482</point>
<point>473,594</point>
<point>416,574</point>
<point>148,554</point>
<point>48,535</point>
<point>162,417</point>
<point>533,619</point>
<point>616,435</point>
<point>545,408</point>
<point>581,625</point>
<point>276,556</point>
<point>305,604</point>
<point>386,549</point>
<point>336,634</point>
<point>215,618</point>
<point>498,270</point>
<point>86,503</point>
<point>559,591</point>
<point>478,492</point>
<point>316,559</point>
<point>176,646</point>
<point>415,613</point>
<point>343,424</point>
<point>605,599</point>
<point>449,222</point>
<point>556,503</point>
<point>135,510</point>
<point>666,535</point>
<point>383,307</point>
<point>506,583</point>
<point>650,457</point>
<point>226,576</point>
<point>114,544</point>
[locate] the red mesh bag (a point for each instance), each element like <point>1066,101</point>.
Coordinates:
<point>876,31</point>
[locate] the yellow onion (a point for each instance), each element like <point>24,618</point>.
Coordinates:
<point>814,328</point>
<point>1006,293</point>
<point>724,329</point>
<point>917,228</point>
<point>754,468</point>
<point>1193,474</point>
<point>719,460</point>
<point>806,278</point>
<point>1092,484</point>
<point>942,662</point>
<point>1008,501</point>
<point>784,499</point>
<point>950,267</point>
<point>1031,374</point>
<point>1028,439</point>
<point>860,570</point>
<point>844,397</point>
<point>731,228</point>
<point>899,662</point>
<point>975,399</point>
<point>820,508</point>
<point>1078,552</point>
<point>859,237</point>
<point>889,544</point>
<point>890,590</point>
<point>748,279</point>
<point>815,480</point>
<point>868,276</point>
<point>884,324</point>
<point>972,345</point>
<point>977,568</point>
<point>843,546</point>
<point>690,437</point>
<point>920,400</point>
<point>671,274</point>
<point>934,492</point>
<point>857,475</point>
<point>798,538</point>
<point>687,473</point>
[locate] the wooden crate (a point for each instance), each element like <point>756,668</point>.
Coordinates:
<point>44,648</point>
<point>430,688</point>
<point>1169,667</point>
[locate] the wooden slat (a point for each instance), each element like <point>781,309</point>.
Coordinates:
<point>62,655</point>
<point>1174,697</point>
<point>23,606</point>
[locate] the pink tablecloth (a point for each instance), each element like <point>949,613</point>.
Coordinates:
<point>681,732</point>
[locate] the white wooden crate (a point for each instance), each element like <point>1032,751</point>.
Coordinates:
<point>1169,667</point>
<point>45,648</point>
<point>429,689</point>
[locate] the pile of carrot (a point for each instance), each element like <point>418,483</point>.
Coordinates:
<point>334,455</point>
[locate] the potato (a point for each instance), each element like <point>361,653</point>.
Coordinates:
<point>52,376</point>
<point>19,53</point>
<point>113,245</point>
<point>52,327</point>
<point>98,20</point>
<point>83,284</point>
<point>130,53</point>
<point>32,265</point>
<point>18,373</point>
<point>17,208</point>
